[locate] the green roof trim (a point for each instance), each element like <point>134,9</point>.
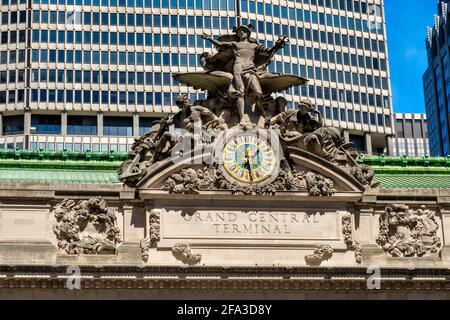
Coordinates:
<point>413,181</point>
<point>101,168</point>
<point>59,165</point>
<point>18,154</point>
<point>58,176</point>
<point>385,161</point>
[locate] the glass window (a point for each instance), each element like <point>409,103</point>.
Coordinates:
<point>118,126</point>
<point>82,125</point>
<point>13,124</point>
<point>145,124</point>
<point>46,124</point>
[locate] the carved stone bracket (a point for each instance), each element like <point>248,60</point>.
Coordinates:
<point>151,241</point>
<point>321,253</point>
<point>405,232</point>
<point>183,252</point>
<point>86,226</point>
<point>351,243</point>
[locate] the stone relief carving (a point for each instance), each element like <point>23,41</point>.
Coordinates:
<point>190,181</point>
<point>185,182</point>
<point>405,232</point>
<point>183,252</point>
<point>86,226</point>
<point>351,243</point>
<point>321,253</point>
<point>319,186</point>
<point>153,237</point>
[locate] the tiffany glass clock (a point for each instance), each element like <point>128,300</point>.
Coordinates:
<point>249,157</point>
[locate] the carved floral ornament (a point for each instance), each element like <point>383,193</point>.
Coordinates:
<point>406,232</point>
<point>191,181</point>
<point>86,226</point>
<point>153,236</point>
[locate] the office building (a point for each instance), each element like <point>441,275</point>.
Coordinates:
<point>411,135</point>
<point>436,81</point>
<point>93,74</point>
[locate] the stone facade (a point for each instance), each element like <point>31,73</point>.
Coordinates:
<point>245,195</point>
<point>217,239</point>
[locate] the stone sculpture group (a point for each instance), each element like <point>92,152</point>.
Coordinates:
<point>240,97</point>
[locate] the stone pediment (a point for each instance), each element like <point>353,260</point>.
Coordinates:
<point>187,177</point>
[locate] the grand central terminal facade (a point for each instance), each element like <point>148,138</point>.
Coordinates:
<point>234,196</point>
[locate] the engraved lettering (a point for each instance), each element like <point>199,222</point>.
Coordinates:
<point>306,219</point>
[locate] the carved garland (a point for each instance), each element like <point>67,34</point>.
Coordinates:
<point>151,241</point>
<point>86,226</point>
<point>190,181</point>
<point>408,233</point>
<point>351,243</point>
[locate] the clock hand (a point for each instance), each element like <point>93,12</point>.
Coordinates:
<point>248,164</point>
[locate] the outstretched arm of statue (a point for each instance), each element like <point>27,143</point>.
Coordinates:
<point>279,44</point>
<point>215,42</point>
<point>274,120</point>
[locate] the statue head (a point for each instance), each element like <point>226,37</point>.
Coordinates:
<point>243,32</point>
<point>281,104</point>
<point>183,102</point>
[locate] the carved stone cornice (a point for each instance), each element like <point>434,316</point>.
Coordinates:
<point>316,279</point>
<point>141,271</point>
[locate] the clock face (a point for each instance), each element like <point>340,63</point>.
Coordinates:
<point>249,158</point>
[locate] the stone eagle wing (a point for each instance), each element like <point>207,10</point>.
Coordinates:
<point>206,81</point>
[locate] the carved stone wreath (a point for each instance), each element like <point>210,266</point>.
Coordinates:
<point>190,181</point>
<point>86,226</point>
<point>408,233</point>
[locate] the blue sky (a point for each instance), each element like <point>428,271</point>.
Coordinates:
<point>406,22</point>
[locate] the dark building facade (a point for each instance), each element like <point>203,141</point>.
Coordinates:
<point>436,82</point>
<point>411,135</point>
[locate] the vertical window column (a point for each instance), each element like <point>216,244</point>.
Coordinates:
<point>27,129</point>
<point>136,124</point>
<point>390,145</point>
<point>64,123</point>
<point>368,143</point>
<point>346,135</point>
<point>100,123</point>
